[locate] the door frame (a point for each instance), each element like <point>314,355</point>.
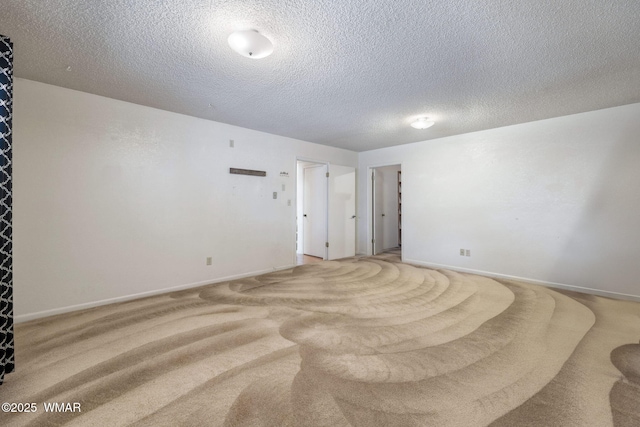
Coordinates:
<point>371,210</point>
<point>296,201</point>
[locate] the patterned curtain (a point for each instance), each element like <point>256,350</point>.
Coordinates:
<point>6,250</point>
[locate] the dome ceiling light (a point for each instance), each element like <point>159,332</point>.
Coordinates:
<point>251,44</point>
<point>422,123</point>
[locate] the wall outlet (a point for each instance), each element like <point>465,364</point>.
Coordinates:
<point>289,202</point>
<point>209,260</point>
<point>461,252</point>
<point>283,187</point>
<point>232,143</point>
<point>275,194</point>
<point>467,252</point>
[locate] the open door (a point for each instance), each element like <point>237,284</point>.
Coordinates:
<point>342,212</point>
<point>378,212</point>
<point>315,211</point>
<point>385,196</point>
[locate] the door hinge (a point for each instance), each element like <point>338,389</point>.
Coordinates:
<point>373,240</point>
<point>326,244</point>
<point>327,174</point>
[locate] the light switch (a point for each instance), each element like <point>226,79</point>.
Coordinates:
<point>275,194</point>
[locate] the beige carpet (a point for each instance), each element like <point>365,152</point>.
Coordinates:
<point>357,342</point>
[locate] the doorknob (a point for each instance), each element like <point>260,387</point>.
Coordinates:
<point>305,215</point>
<point>353,217</point>
<point>382,214</point>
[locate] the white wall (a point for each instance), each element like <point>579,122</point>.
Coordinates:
<point>113,199</point>
<point>555,201</point>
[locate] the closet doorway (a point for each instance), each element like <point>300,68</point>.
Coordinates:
<point>325,211</point>
<point>311,217</point>
<point>386,208</point>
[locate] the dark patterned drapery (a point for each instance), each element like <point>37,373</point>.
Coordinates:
<point>6,250</point>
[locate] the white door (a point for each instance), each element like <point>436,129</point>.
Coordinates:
<point>342,212</point>
<point>315,210</point>
<point>378,212</point>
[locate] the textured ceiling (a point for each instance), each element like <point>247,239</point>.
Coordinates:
<point>349,73</point>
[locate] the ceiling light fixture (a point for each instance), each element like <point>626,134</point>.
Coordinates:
<point>422,123</point>
<point>250,43</point>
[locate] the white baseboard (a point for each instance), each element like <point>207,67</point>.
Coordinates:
<point>37,315</point>
<point>599,292</point>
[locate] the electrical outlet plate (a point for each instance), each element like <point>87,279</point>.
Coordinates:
<point>209,260</point>
<point>461,252</point>
<point>467,252</point>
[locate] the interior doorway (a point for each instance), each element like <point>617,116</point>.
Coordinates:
<point>386,208</point>
<point>325,211</point>
<point>311,212</point>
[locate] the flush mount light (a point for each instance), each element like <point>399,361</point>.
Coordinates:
<point>251,44</point>
<point>422,123</point>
